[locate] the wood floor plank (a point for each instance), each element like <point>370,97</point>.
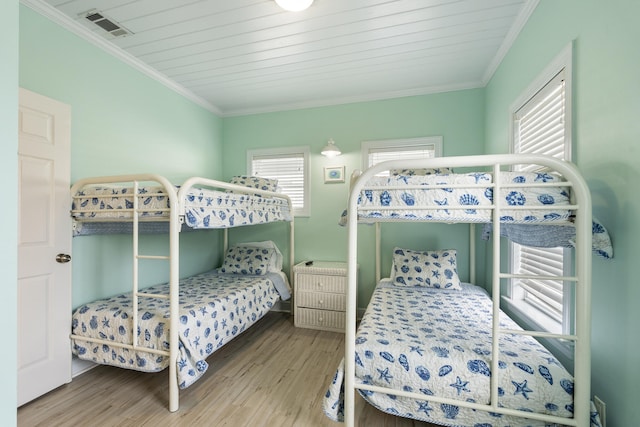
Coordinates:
<point>271,375</point>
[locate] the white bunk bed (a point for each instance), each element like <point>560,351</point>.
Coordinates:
<point>149,203</point>
<point>462,198</point>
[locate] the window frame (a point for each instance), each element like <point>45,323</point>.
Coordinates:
<point>305,210</point>
<point>397,144</point>
<point>528,313</point>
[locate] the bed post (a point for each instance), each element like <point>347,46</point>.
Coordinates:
<point>378,252</point>
<point>291,250</point>
<point>495,289</point>
<point>174,292</point>
<point>472,253</point>
<point>350,330</point>
<point>583,245</point>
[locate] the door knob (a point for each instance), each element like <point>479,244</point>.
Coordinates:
<point>63,258</point>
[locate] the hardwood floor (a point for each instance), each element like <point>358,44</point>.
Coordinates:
<point>272,375</point>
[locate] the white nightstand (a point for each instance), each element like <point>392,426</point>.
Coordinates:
<point>320,299</point>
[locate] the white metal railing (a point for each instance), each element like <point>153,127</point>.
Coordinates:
<point>170,193</point>
<point>581,204</point>
<point>176,212</point>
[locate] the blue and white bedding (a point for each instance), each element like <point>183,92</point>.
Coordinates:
<point>438,342</point>
<point>204,208</point>
<point>214,308</point>
<point>412,197</point>
<point>554,236</point>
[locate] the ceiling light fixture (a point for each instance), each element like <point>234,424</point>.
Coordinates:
<point>331,150</point>
<point>294,5</point>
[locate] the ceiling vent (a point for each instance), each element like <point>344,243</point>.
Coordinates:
<point>107,24</point>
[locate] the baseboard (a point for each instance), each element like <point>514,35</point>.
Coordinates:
<point>79,366</point>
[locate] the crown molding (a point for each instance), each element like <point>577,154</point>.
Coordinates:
<point>382,96</point>
<point>64,21</point>
<point>509,40</point>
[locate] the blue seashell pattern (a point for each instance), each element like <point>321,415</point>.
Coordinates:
<point>214,309</point>
<point>446,351</point>
<point>424,196</point>
<point>436,269</point>
<point>204,208</point>
<point>247,260</point>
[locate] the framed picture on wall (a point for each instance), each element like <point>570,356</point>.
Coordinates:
<point>333,174</point>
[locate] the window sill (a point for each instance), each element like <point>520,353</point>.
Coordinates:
<point>519,310</point>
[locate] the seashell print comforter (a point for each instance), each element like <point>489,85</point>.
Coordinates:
<point>438,342</point>
<point>204,208</point>
<point>214,309</point>
<point>468,199</point>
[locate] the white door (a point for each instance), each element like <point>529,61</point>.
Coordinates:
<point>44,234</point>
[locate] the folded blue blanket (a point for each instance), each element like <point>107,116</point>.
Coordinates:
<point>553,236</point>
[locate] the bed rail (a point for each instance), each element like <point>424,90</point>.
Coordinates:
<point>581,204</point>
<point>176,212</point>
<point>205,182</point>
<point>174,266</point>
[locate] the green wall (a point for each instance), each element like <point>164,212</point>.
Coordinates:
<point>457,116</point>
<point>122,122</point>
<point>9,175</point>
<point>606,143</point>
<point>172,136</point>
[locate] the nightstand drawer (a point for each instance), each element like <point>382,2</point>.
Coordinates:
<point>322,300</point>
<point>320,295</point>
<point>321,283</point>
<point>320,319</point>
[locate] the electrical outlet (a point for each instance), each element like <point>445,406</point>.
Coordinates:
<point>601,407</point>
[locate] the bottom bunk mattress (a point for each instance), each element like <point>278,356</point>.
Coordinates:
<point>214,308</point>
<point>438,342</point>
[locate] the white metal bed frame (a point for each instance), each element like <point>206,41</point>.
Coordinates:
<point>176,219</point>
<point>581,204</point>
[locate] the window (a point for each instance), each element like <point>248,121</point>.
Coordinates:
<point>374,152</point>
<point>542,125</point>
<point>290,166</point>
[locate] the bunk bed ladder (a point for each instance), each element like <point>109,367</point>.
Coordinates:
<point>173,290</point>
<point>579,410</point>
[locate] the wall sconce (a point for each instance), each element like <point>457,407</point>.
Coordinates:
<point>294,5</point>
<point>331,149</point>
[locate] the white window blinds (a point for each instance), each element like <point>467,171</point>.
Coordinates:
<point>288,169</point>
<point>540,127</point>
<point>545,295</point>
<point>378,155</point>
<point>540,124</point>
<point>375,152</point>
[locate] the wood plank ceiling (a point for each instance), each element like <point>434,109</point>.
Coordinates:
<point>246,56</point>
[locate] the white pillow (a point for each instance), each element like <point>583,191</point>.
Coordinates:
<point>421,172</point>
<point>258,182</point>
<point>434,269</point>
<point>275,263</point>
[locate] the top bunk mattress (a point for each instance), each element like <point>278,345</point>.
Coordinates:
<point>467,197</point>
<point>203,207</point>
